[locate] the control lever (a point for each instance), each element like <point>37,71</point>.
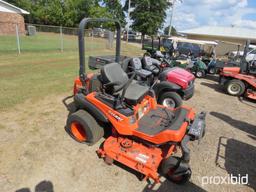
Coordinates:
<point>155,82</point>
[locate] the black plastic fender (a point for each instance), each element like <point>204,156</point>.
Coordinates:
<point>83,103</point>
<point>165,86</point>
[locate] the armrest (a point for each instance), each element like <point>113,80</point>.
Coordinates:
<point>112,84</point>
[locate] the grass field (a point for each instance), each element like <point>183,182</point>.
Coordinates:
<point>46,42</point>
<point>42,70</point>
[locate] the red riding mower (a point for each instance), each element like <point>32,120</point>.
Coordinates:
<point>170,85</point>
<point>143,135</point>
<point>241,80</point>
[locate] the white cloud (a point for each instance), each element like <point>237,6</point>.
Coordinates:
<point>245,23</point>
<point>193,13</point>
<point>185,20</point>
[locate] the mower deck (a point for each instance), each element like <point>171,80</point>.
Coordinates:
<point>137,156</point>
<point>250,94</point>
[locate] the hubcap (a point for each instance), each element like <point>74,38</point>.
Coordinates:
<point>169,102</point>
<point>234,89</point>
<point>78,131</point>
<point>212,71</point>
<point>199,74</point>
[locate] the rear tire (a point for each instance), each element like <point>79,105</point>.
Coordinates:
<point>235,87</point>
<point>83,128</point>
<point>170,99</point>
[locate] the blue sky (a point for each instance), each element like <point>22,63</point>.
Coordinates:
<point>195,13</point>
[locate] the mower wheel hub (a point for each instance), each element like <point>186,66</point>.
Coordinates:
<point>169,102</point>
<point>234,89</point>
<point>78,131</point>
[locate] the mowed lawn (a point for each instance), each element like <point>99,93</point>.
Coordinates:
<point>47,42</point>
<point>39,72</point>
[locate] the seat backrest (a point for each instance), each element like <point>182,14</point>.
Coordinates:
<point>147,61</point>
<point>113,72</point>
<point>136,63</point>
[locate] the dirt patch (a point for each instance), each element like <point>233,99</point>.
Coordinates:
<point>34,147</point>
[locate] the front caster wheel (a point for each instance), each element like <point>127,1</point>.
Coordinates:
<point>181,179</point>
<point>175,170</point>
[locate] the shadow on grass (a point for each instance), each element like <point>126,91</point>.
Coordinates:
<point>252,137</point>
<point>238,159</point>
<point>247,101</point>
<point>43,186</point>
<point>213,86</point>
<point>214,78</point>
<point>169,186</point>
<point>243,126</point>
<point>164,186</point>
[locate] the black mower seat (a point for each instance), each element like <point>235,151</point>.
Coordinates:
<point>113,72</point>
<point>148,65</point>
<point>160,119</point>
<point>135,93</point>
<point>137,67</point>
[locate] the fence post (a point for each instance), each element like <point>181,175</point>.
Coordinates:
<point>61,39</point>
<point>17,38</point>
<point>110,36</point>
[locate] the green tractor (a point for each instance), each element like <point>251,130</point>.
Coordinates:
<point>195,66</point>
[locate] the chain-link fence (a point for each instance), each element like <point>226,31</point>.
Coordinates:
<point>36,38</point>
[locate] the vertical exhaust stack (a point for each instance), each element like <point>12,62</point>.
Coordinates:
<point>243,62</point>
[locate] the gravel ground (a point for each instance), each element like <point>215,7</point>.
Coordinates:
<point>37,154</point>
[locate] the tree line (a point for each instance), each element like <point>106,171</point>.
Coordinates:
<point>147,16</point>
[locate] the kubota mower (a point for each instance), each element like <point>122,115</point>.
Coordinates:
<point>241,80</point>
<point>143,135</point>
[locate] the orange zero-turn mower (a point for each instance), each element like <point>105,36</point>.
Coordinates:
<point>240,81</point>
<point>143,135</point>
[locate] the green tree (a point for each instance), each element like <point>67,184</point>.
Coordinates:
<point>115,10</point>
<point>174,31</point>
<point>85,8</point>
<point>148,15</point>
<point>61,12</point>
